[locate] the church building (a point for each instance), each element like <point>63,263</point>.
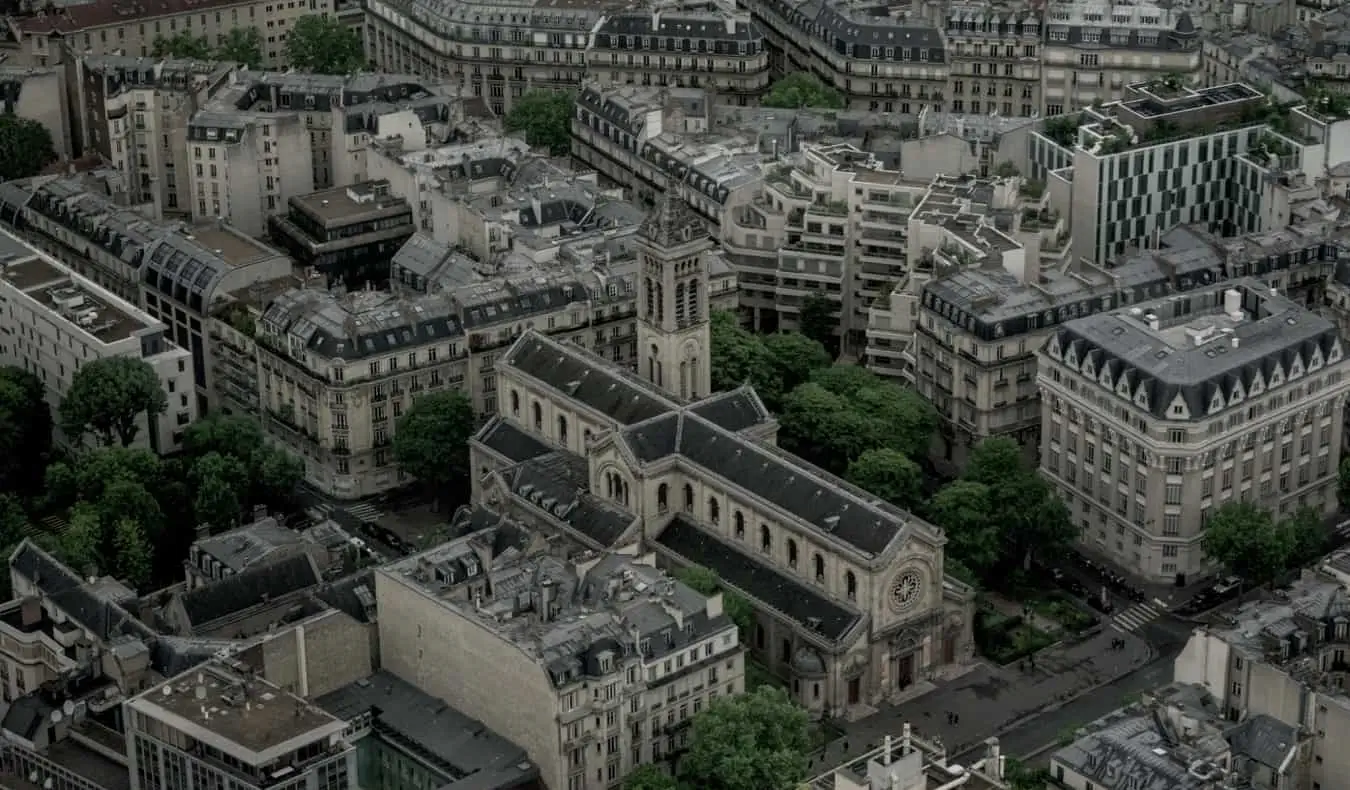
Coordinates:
<point>853,607</point>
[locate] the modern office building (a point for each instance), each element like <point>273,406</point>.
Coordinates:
<point>1162,410</point>
<point>56,321</point>
<point>219,724</point>
<point>609,657</point>
<point>347,234</point>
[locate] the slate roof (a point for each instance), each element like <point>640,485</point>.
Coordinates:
<point>248,545</point>
<point>352,595</point>
<point>783,480</point>
<point>622,398</point>
<point>749,575</point>
<point>735,411</point>
<point>69,593</point>
<point>250,588</point>
<point>673,223</point>
<point>474,757</point>
<point>557,483</point>
<point>679,26</point>
<point>507,440</point>
<point>1263,738</point>
<point>27,715</point>
<point>1152,368</point>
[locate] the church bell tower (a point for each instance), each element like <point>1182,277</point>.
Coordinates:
<point>673,330</point>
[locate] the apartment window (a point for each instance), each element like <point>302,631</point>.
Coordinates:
<point>1173,494</point>
<point>1170,551</point>
<point>1172,524</point>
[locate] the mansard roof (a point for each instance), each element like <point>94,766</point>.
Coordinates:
<point>1204,364</point>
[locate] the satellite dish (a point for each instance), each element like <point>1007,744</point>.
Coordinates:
<point>167,691</point>
<point>68,708</point>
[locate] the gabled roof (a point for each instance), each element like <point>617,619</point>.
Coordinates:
<point>816,497</point>
<point>507,440</point>
<point>69,593</point>
<point>735,411</point>
<point>557,484</point>
<point>623,399</point>
<point>250,588</point>
<point>762,582</point>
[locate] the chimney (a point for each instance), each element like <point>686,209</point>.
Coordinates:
<point>1232,303</point>
<point>1153,323</point>
<point>906,745</point>
<point>546,600</point>
<point>201,691</point>
<point>30,611</point>
<point>886,753</point>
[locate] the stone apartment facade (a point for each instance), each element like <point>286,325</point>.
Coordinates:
<point>1160,411</point>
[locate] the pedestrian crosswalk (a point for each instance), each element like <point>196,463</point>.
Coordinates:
<point>1135,617</point>
<point>365,512</point>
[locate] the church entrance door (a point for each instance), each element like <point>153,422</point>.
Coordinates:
<point>855,691</point>
<point>904,671</point>
<point>949,650</point>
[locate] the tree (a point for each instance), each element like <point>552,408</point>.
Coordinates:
<point>181,45</point>
<point>1030,517</point>
<point>25,431</point>
<point>964,510</point>
<point>323,45</point>
<point>649,777</point>
<point>889,474</point>
<point>790,359</point>
<point>13,520</point>
<point>275,474</point>
<point>272,473</point>
<point>755,741</point>
<point>131,552</point>
<point>219,479</point>
<point>108,396</point>
<point>97,469</point>
<point>26,147</point>
<point>1243,538</point>
<point>1305,536</point>
<point>819,320</point>
<point>431,440</point>
<point>81,544</point>
<point>907,420</point>
<point>705,582</point>
<point>242,45</point>
<point>546,119</point>
<point>128,500</point>
<point>802,89</point>
<point>824,428</point>
<point>737,356</point>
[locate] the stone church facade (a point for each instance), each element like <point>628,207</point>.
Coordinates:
<point>853,607</point>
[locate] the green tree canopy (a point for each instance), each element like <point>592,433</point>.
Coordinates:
<point>791,359</point>
<point>272,473</point>
<point>431,439</point>
<point>889,474</point>
<point>802,89</point>
<point>108,397</point>
<point>13,521</point>
<point>845,410</point>
<point>774,364</point>
<point>25,431</point>
<point>754,741</point>
<point>181,45</point>
<point>1030,518</point>
<point>820,320</point>
<point>1243,538</point>
<point>131,553</point>
<point>26,147</point>
<point>1305,536</point>
<point>964,509</point>
<point>649,777</point>
<point>242,45</point>
<point>705,582</point>
<point>81,544</point>
<point>546,119</point>
<point>219,480</point>
<point>324,45</point>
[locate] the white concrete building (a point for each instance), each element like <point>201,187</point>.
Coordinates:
<point>56,321</point>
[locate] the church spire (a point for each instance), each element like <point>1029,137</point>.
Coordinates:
<point>672,223</point>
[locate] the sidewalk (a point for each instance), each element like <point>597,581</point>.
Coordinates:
<point>1010,608</point>
<point>989,699</point>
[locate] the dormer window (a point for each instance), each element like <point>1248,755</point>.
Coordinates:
<point>645,646</point>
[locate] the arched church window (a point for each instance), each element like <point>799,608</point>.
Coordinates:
<point>662,498</point>
<point>820,567</point>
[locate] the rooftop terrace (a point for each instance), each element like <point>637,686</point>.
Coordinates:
<point>77,302</point>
